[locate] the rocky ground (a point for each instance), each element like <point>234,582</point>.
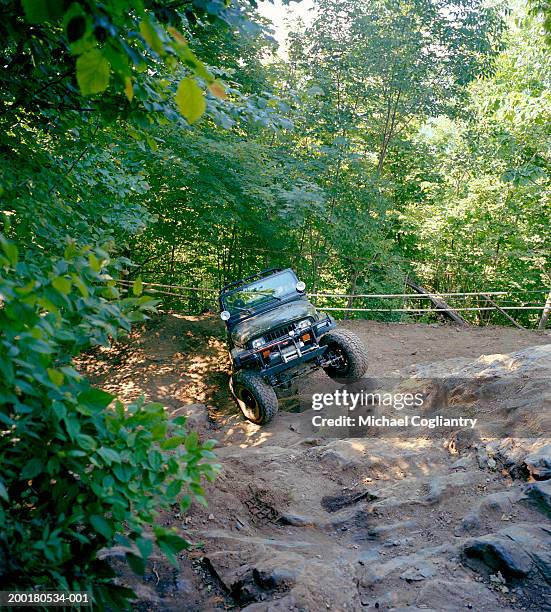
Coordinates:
<point>301,520</point>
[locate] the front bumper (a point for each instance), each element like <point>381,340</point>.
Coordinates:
<point>288,352</point>
<point>313,354</point>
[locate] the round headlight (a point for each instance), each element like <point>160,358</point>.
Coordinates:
<point>225,315</point>
<point>257,343</point>
<point>301,286</point>
<point>304,323</point>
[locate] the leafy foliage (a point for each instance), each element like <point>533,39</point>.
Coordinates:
<point>79,471</point>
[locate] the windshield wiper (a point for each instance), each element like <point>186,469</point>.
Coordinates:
<point>247,310</point>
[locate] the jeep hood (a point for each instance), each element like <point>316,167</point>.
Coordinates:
<point>261,323</point>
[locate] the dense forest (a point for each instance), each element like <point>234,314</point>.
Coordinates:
<point>170,142</point>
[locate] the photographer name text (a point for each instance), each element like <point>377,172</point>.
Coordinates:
<point>384,421</point>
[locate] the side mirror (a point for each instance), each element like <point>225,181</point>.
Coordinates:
<point>301,286</point>
<point>225,315</point>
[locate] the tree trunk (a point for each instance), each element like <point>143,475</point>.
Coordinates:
<point>171,276</point>
<point>546,312</point>
<point>439,304</point>
<point>497,307</point>
<point>351,291</point>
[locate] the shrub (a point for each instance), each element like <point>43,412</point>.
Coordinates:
<point>80,471</point>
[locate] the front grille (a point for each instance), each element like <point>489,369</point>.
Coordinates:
<point>279,332</point>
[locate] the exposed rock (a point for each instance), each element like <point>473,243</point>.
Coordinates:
<point>418,572</point>
<point>517,551</point>
<point>197,416</point>
<point>340,455</point>
<point>539,463</point>
<point>470,522</point>
<point>463,463</point>
<point>481,457</point>
<point>457,594</point>
<point>295,520</point>
<point>275,578</point>
<point>540,494</point>
<point>499,503</point>
<point>284,604</point>
<point>542,559</point>
<point>509,453</point>
<point>375,573</point>
<point>334,503</point>
<point>500,554</point>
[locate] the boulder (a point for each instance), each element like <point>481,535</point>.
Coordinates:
<point>500,554</point>
<point>540,494</point>
<point>539,463</point>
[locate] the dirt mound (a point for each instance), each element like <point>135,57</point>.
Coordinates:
<point>300,521</point>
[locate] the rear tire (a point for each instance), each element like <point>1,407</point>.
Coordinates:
<point>255,398</point>
<point>346,345</point>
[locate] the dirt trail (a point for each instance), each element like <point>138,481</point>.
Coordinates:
<point>298,521</point>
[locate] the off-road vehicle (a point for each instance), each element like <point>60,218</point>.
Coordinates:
<point>275,335</point>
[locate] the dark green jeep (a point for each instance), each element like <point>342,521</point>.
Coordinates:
<point>276,335</point>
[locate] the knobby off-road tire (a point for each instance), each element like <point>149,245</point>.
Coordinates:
<point>351,349</point>
<point>255,398</point>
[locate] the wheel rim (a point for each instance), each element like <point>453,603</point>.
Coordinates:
<point>335,352</point>
<point>248,404</point>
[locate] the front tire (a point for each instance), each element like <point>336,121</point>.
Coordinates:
<point>350,352</point>
<point>255,398</point>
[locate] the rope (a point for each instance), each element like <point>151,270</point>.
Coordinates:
<point>432,310</point>
<point>126,282</point>
<point>344,295</point>
<point>417,310</point>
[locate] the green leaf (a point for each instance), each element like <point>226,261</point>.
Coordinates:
<point>101,526</point>
<point>158,432</point>
<point>190,100</point>
<point>32,468</point>
<point>173,442</point>
<point>109,455</point>
<point>123,472</point>
<point>94,262</point>
<point>149,34</point>
<point>10,250</point>
<point>171,545</point>
<point>137,287</point>
<point>92,72</point>
<point>4,492</point>
<point>37,11</point>
<point>96,398</point>
<point>185,503</point>
<point>145,546</point>
<point>62,284</point>
<point>174,488</point>
<point>55,376</point>
<point>81,286</point>
<point>137,564</point>
<point>128,89</point>
<point>86,442</point>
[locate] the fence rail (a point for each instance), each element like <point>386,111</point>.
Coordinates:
<point>360,295</point>
<point>199,292</point>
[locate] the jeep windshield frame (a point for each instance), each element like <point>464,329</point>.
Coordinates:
<point>260,295</point>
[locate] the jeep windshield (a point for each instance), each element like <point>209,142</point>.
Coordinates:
<point>270,289</point>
